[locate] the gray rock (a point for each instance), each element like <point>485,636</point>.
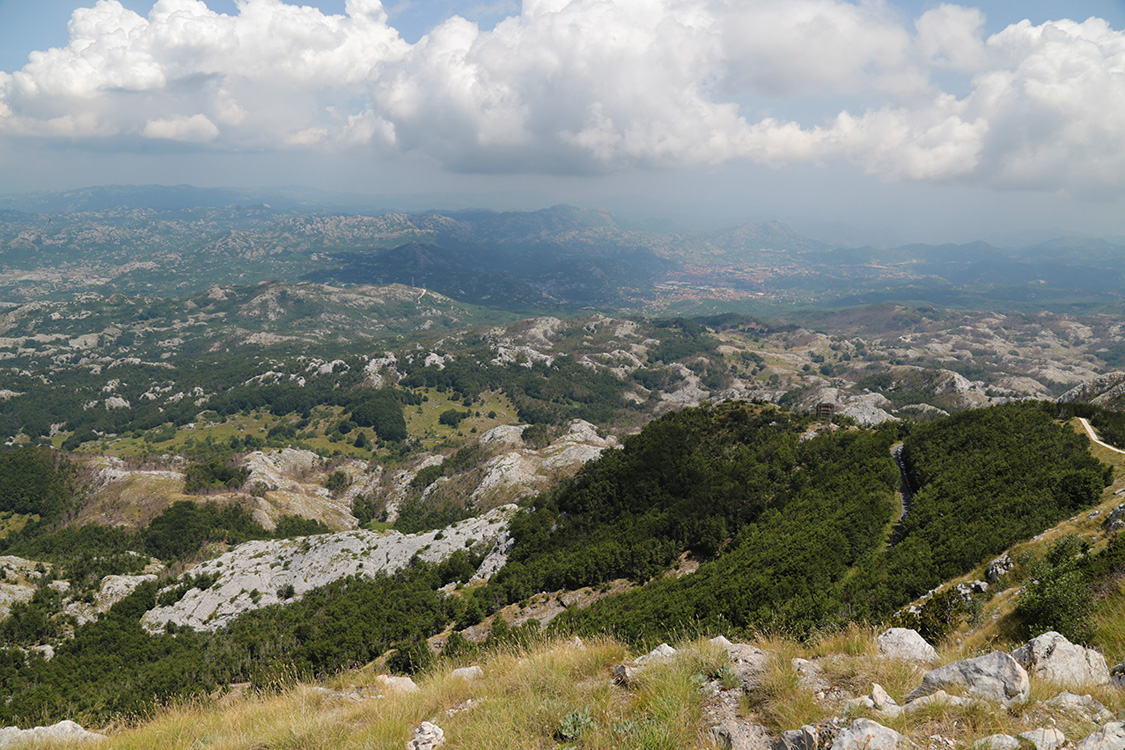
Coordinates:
<point>998,568</point>
<point>64,731</point>
<point>864,734</point>
<point>625,675</point>
<point>997,742</point>
<point>906,645</point>
<point>880,699</point>
<point>1052,657</point>
<point>740,735</point>
<point>1117,676</point>
<point>468,673</point>
<point>1116,519</point>
<point>967,590</point>
<point>1045,739</point>
<point>995,677</point>
<point>663,651</point>
<point>1081,704</point>
<point>427,736</point>
<point>804,738</point>
<point>1109,737</point>
<point>396,683</point>
<point>938,697</point>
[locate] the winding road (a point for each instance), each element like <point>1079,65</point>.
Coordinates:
<point>1094,436</point>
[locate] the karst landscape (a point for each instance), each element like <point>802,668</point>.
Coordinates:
<point>562,375</point>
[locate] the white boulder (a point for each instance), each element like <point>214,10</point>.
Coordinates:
<point>995,677</point>
<point>906,645</point>
<point>1052,657</point>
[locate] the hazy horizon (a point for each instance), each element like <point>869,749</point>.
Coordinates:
<point>912,119</point>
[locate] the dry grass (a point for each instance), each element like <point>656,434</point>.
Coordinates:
<point>520,703</point>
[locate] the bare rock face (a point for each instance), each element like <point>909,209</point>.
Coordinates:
<point>64,731</point>
<point>522,471</point>
<point>260,573</point>
<point>906,645</point>
<point>1052,657</point>
<point>1109,737</point>
<point>864,734</point>
<point>995,677</point>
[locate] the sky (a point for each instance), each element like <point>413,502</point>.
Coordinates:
<point>920,119</point>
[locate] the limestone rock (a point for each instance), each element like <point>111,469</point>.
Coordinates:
<point>995,677</point>
<point>1081,704</point>
<point>397,683</point>
<point>880,698</point>
<point>936,698</point>
<point>997,742</point>
<point>427,736</point>
<point>998,568</point>
<point>269,567</point>
<point>64,731</point>
<point>1116,519</point>
<point>663,651</point>
<point>468,673</point>
<point>804,738</point>
<point>1052,657</point>
<point>864,734</point>
<point>1045,739</point>
<point>905,644</point>
<point>1109,737</point>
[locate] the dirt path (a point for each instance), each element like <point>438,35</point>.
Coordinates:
<point>1094,436</point>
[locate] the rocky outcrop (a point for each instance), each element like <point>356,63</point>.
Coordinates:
<point>260,573</point>
<point>906,645</point>
<point>64,731</point>
<point>112,590</point>
<point>995,677</point>
<point>1052,657</point>
<point>999,568</point>
<point>522,471</point>
<point>869,410</point>
<point>1103,390</point>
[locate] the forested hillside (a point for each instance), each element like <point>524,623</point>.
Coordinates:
<point>790,527</point>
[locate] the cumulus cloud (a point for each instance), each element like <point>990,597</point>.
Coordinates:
<point>588,86</point>
<point>259,79</point>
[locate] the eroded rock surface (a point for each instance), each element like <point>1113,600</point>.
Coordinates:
<point>260,573</point>
<point>1052,657</point>
<point>995,677</point>
<point>905,644</point>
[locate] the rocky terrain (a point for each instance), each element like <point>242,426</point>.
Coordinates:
<point>258,574</point>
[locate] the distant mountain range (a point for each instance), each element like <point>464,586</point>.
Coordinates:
<point>176,241</point>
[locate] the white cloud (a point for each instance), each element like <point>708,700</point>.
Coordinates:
<point>194,129</point>
<point>602,85</point>
<point>265,75</point>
